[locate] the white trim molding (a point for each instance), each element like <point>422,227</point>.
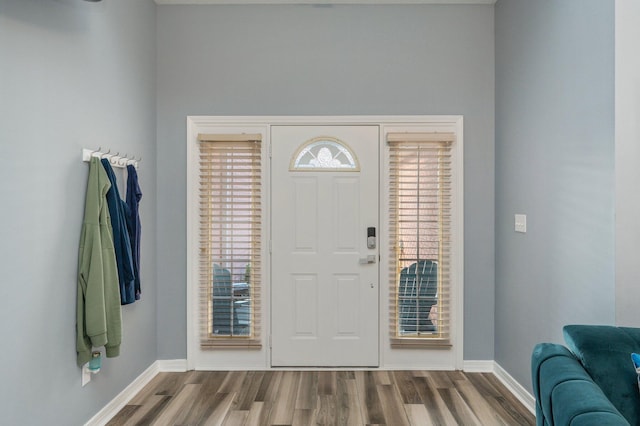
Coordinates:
<point>118,403</point>
<point>172,365</point>
<point>233,359</point>
<point>512,385</point>
<point>478,366</point>
<point>515,388</point>
<point>112,408</point>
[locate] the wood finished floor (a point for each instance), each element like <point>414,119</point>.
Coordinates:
<point>392,398</point>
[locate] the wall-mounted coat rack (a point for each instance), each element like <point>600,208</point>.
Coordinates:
<point>116,160</point>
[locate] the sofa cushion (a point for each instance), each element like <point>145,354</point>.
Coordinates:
<point>604,352</point>
<point>633,333</point>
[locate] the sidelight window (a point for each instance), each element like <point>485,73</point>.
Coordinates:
<point>420,178</point>
<point>230,234</point>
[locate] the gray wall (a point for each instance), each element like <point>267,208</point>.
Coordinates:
<point>340,60</point>
<point>627,154</point>
<point>555,163</point>
<point>73,74</point>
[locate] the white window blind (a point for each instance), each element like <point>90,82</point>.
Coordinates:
<point>420,179</point>
<point>230,177</point>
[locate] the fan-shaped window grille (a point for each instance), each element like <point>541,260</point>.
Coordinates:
<point>324,153</point>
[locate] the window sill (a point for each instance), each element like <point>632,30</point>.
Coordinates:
<point>420,343</point>
<point>223,343</point>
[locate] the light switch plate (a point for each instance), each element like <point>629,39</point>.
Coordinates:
<point>521,223</point>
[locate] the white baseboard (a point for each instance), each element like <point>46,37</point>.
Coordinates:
<point>478,366</point>
<point>112,408</point>
<point>117,403</point>
<point>515,388</point>
<point>172,365</point>
<point>481,366</point>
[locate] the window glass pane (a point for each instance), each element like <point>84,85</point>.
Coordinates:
<point>419,200</point>
<point>230,229</point>
<point>231,302</point>
<point>417,293</point>
<point>324,153</point>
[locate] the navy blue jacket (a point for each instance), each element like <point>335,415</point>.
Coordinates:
<point>121,243</point>
<point>134,195</point>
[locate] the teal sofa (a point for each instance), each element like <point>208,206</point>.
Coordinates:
<point>591,381</point>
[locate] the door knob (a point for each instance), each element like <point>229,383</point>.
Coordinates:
<point>369,259</point>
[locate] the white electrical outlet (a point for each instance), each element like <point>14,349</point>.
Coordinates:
<point>521,223</point>
<point>86,374</point>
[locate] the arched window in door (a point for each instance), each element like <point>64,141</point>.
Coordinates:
<point>324,153</point>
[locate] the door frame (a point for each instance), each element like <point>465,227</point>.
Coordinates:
<point>243,359</point>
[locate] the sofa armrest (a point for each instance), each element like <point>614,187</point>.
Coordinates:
<point>582,402</point>
<point>565,393</point>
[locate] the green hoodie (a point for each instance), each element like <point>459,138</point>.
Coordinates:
<point>98,316</point>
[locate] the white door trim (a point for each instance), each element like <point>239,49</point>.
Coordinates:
<point>389,358</point>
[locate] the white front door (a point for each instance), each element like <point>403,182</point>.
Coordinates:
<point>325,276</point>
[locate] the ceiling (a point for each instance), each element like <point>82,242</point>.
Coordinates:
<point>227,2</point>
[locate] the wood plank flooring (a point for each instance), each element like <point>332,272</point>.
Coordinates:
<point>393,398</point>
